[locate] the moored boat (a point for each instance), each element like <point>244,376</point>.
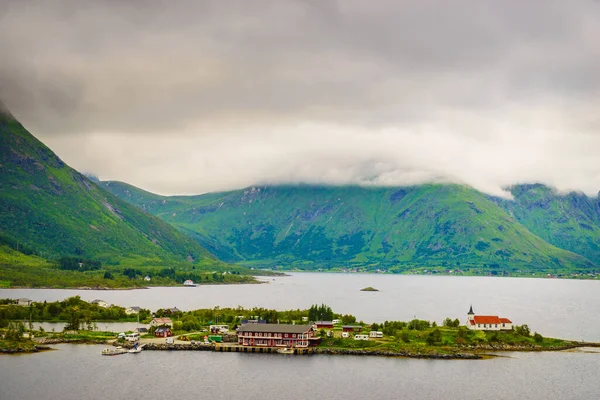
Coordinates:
<point>115,351</point>
<point>285,350</point>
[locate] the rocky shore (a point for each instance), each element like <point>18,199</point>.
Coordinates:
<point>387,353</point>
<point>34,349</point>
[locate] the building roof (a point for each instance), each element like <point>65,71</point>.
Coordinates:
<point>174,309</point>
<point>135,308</point>
<point>324,322</point>
<point>490,319</point>
<point>470,311</point>
<point>24,299</point>
<point>352,326</point>
<point>141,329</point>
<point>162,320</point>
<point>275,328</point>
<point>162,329</point>
<point>97,301</point>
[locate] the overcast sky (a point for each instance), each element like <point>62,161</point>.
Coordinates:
<point>187,97</point>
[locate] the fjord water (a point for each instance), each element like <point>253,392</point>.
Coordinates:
<point>567,309</point>
<point>80,372</point>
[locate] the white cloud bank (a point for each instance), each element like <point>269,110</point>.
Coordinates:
<point>192,97</point>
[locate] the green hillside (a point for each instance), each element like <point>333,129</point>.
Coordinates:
<point>54,211</point>
<point>374,228</point>
<point>570,221</point>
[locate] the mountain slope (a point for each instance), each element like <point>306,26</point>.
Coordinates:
<point>394,228</point>
<point>53,209</point>
<point>570,221</point>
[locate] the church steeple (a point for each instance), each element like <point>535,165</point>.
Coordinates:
<point>471,314</point>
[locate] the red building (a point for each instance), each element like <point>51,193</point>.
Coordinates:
<point>351,328</point>
<point>163,331</point>
<point>324,324</point>
<point>277,335</point>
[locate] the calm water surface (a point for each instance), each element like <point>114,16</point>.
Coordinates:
<point>567,309</point>
<point>80,372</point>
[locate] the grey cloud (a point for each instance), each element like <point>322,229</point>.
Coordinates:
<point>164,84</point>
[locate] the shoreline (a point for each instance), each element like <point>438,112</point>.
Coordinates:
<point>479,352</point>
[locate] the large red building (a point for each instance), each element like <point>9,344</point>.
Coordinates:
<point>277,335</point>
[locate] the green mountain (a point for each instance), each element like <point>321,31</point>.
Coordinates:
<point>50,208</point>
<point>570,221</point>
<point>337,227</point>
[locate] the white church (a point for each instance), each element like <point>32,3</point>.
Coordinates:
<point>487,322</point>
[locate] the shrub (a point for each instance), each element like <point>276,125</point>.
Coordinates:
<point>434,337</point>
<point>404,337</point>
<point>538,338</point>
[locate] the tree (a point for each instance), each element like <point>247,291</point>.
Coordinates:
<point>523,330</point>
<point>404,336</point>
<point>375,326</point>
<point>434,337</point>
<point>74,321</point>
<point>320,313</point>
<point>108,275</point>
<point>538,338</point>
<point>15,331</point>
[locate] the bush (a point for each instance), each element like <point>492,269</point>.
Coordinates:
<point>523,330</point>
<point>538,338</point>
<point>434,337</point>
<point>404,337</point>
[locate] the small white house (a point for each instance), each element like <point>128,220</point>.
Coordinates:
<point>345,335</point>
<point>100,303</point>
<point>376,334</point>
<point>24,302</point>
<point>487,322</point>
<point>132,310</point>
<point>147,278</point>
<point>336,321</point>
<point>161,322</point>
<point>361,337</point>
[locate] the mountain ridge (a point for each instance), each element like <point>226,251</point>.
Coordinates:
<point>52,208</point>
<point>395,227</point>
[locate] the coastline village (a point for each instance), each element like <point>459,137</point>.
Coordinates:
<point>317,330</point>
<point>270,337</point>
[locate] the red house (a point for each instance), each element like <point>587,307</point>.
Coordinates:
<point>324,324</point>
<point>277,335</point>
<point>351,328</point>
<point>163,331</point>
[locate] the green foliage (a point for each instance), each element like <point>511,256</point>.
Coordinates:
<point>434,337</point>
<point>394,229</point>
<point>418,325</point>
<point>320,313</point>
<point>538,338</point>
<point>523,330</point>
<point>15,331</point>
<point>78,264</point>
<point>449,323</point>
<point>405,337</point>
<point>75,312</point>
<point>52,211</point>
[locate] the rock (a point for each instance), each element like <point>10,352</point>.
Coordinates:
<point>369,289</point>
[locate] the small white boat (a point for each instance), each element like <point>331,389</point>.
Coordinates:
<point>115,351</point>
<point>136,349</point>
<point>285,350</point>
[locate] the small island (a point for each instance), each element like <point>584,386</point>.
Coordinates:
<point>481,337</point>
<point>369,289</point>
